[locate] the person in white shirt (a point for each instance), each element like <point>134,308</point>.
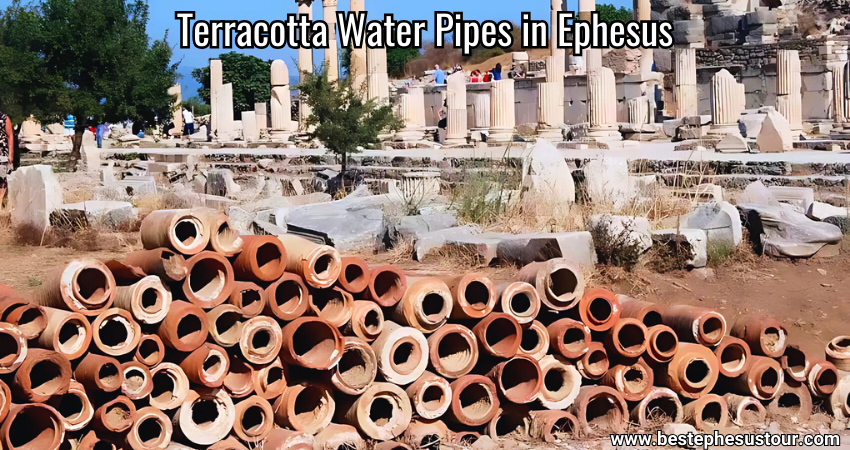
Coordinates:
<point>188,122</point>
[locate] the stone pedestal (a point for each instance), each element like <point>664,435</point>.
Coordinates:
<point>281,103</point>
<point>358,67</point>
<point>602,105</point>
<point>502,111</point>
<point>480,112</point>
<point>411,110</point>
<point>550,101</point>
<point>176,109</point>
<point>305,62</point>
<point>789,85</point>
<point>226,127</point>
<point>378,83</point>
<point>456,128</point>
<point>249,126</point>
<point>685,90</point>
<point>727,101</point>
<point>331,56</point>
<point>261,110</point>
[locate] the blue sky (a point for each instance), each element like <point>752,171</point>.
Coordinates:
<point>162,19</point>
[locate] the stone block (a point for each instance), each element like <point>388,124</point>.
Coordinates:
<point>34,193</point>
<point>817,105</point>
<point>781,231</point>
<point>760,17</point>
<point>627,230</point>
<point>775,134</point>
<point>720,221</point>
<point>801,198</point>
<point>695,239</point>
<point>111,214</point>
<point>822,211</point>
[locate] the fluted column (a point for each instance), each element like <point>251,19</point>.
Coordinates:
<point>560,53</point>
<point>358,67</point>
<point>378,83</point>
<point>281,106</point>
<point>481,111</point>
<point>789,85</point>
<point>643,12</point>
<point>726,103</point>
<point>839,94</point>
<point>411,110</point>
<point>638,111</point>
<point>331,57</point>
<point>592,56</point>
<point>305,62</point>
<point>602,104</point>
<point>456,128</point>
<point>502,111</point>
<point>685,90</point>
<point>550,100</point>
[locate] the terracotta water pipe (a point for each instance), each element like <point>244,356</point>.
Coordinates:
<point>822,378</point>
<point>250,298</point>
<point>263,259</point>
<point>225,324</point>
<point>520,300</point>
<point>313,398</point>
<point>796,364</point>
<point>177,229</point>
<point>99,374</point>
<point>535,341</point>
<point>287,298</point>
<point>387,285</point>
<point>151,430</point>
<point>594,363</point>
<point>207,365</point>
<point>281,438</point>
<point>151,350</point>
<point>239,381</point>
<point>838,353</point>
<point>170,386</point>
<point>647,313</point>
<point>425,306</point>
<point>147,300</point>
<point>603,406</point>
<point>453,351</point>
<point>223,238</point>
<point>85,286</point>
<point>661,343</point>
<point>692,372</point>
<point>43,374</point>
<point>334,305</point>
<point>169,266</point>
<point>599,309</point>
<point>68,333</point>
<point>426,433</point>
<point>13,352</point>
<point>707,413</point>
<point>115,332</point>
<point>474,401</point>
<point>633,381</point>
<point>402,353</point>
<point>339,436</point>
<point>137,380</point>
<point>261,340</point>
<point>764,335</point>
<point>791,402</point>
<point>312,343</point>
<point>569,338</point>
<point>627,338</point>
<point>354,274</point>
<point>473,295</point>
<point>431,396</point>
<point>382,412</point>
<point>659,404</point>
<point>33,426</point>
<point>205,417</point>
<point>367,320</point>
<point>254,420</point>
<point>114,416</point>
<point>5,400</point>
<point>550,426</point>
<point>185,328</point>
<point>30,319</point>
<point>559,282</point>
<point>499,335</point>
<point>511,420</point>
<point>357,368</point>
<point>74,407</point>
<point>210,280</point>
<point>561,383</point>
<point>270,380</point>
<point>319,265</point>
<point>734,356</point>
<point>518,380</point>
<point>745,411</point>
<point>694,324</point>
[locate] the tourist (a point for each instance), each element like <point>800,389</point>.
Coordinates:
<point>102,129</point>
<point>70,123</point>
<point>497,72</point>
<point>439,75</point>
<point>520,71</point>
<point>188,123</point>
<point>475,76</point>
<point>7,151</point>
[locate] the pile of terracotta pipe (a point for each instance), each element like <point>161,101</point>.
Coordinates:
<point>209,339</point>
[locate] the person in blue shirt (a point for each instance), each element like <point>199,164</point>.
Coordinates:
<point>70,122</point>
<point>101,129</point>
<point>439,75</point>
<point>497,72</point>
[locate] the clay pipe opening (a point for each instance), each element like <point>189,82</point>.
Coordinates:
<point>99,373</point>
<point>453,351</point>
<point>263,259</point>
<point>287,298</point>
<point>185,328</point>
<point>312,343</point>
<point>387,285</point>
<point>499,335</point>
<point>32,426</point>
<point>354,275</point>
<point>151,350</point>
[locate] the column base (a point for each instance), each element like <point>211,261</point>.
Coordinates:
<point>605,133</point>
<point>455,141</point>
<point>549,133</point>
<point>410,135</point>
<point>500,135</point>
<point>279,135</point>
<point>720,130</point>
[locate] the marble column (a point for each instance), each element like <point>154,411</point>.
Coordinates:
<point>216,81</point>
<point>643,11</point>
<point>480,111</point>
<point>331,56</point>
<point>411,110</point>
<point>592,57</point>
<point>281,103</point>
<point>226,127</point>
<point>378,82</point>
<point>358,67</point>
<point>456,127</point>
<point>261,110</point>
<point>839,95</point>
<point>560,53</point>
<point>602,105</point>
<point>789,85</point>
<point>176,109</point>
<point>685,84</point>
<point>550,101</point>
<point>305,61</point>
<point>249,126</point>
<point>639,111</point>
<point>502,111</point>
<point>726,103</point>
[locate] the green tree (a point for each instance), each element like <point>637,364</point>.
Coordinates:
<point>89,58</point>
<point>609,13</point>
<point>340,118</point>
<point>251,78</point>
<point>397,59</point>
<point>197,105</point>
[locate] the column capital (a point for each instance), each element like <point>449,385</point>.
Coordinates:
<point>304,2</point>
<point>329,3</point>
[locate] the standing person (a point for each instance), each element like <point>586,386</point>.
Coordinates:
<point>188,123</point>
<point>70,123</point>
<point>102,128</point>
<point>7,152</point>
<point>497,72</point>
<point>439,75</point>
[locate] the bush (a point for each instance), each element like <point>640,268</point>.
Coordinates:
<point>615,247</point>
<point>674,254</point>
